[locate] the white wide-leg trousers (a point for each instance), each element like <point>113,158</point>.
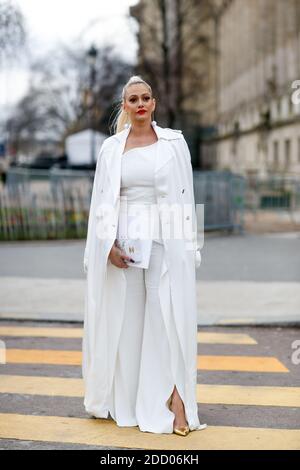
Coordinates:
<point>148,366</point>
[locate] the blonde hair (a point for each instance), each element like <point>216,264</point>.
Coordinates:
<point>122,118</point>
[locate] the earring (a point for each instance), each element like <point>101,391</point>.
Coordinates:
<point>153,122</point>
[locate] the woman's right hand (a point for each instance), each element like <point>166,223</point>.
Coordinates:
<point>117,257</point>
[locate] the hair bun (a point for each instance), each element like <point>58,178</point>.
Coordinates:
<point>135,78</point>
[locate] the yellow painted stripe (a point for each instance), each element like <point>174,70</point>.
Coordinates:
<point>236,321</point>
<point>60,357</point>
<point>104,432</point>
<point>43,356</point>
<point>48,386</point>
<point>248,395</point>
<point>241,363</point>
<point>40,332</point>
<point>203,337</point>
<point>206,393</point>
<point>225,338</point>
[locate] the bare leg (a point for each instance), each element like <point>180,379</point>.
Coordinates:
<point>177,407</point>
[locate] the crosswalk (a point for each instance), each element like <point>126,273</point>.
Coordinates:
<point>74,358</point>
<point>41,348</point>
<point>221,394</point>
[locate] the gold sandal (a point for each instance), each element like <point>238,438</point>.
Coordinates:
<point>182,431</point>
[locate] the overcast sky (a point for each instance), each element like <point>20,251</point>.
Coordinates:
<point>52,21</point>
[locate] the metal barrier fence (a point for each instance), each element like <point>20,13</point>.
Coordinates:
<point>276,192</point>
<point>40,204</point>
<point>223,196</point>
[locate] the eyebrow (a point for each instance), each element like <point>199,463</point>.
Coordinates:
<point>142,94</point>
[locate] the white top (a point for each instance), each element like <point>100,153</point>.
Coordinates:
<point>137,178</point>
<point>137,193</point>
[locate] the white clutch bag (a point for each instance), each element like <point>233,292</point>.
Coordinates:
<point>132,248</point>
<point>137,249</point>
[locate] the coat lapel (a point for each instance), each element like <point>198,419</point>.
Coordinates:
<point>114,157</point>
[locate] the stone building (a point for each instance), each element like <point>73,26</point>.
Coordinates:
<point>230,69</point>
<point>258,124</point>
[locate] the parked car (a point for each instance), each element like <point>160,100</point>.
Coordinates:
<point>44,161</point>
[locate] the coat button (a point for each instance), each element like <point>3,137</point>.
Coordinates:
<point>187,218</point>
<point>182,190</point>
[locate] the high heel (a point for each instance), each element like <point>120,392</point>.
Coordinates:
<point>182,431</point>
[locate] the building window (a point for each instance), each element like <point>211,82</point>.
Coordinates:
<point>278,109</point>
<point>287,146</point>
<point>276,153</point>
<point>291,107</point>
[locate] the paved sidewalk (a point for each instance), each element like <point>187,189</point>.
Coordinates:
<point>219,302</point>
<point>243,279</point>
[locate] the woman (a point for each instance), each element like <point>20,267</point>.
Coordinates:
<point>140,325</point>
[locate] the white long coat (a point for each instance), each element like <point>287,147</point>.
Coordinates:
<point>106,283</point>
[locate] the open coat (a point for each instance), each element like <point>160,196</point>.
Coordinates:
<point>106,284</point>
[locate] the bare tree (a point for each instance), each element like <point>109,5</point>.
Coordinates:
<point>174,33</point>
<point>12,31</point>
<point>178,33</point>
<point>56,102</point>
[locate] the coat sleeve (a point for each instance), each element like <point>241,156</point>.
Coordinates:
<point>191,197</point>
<point>91,230</point>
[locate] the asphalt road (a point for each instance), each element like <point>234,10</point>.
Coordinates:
<point>273,257</point>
